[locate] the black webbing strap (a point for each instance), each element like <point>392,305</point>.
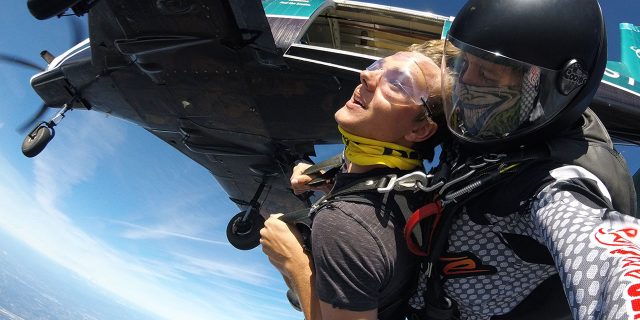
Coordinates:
<point>359,187</point>
<point>323,171</point>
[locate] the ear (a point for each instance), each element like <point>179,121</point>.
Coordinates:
<point>421,131</point>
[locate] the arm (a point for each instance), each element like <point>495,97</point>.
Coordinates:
<point>595,249</point>
<point>282,245</point>
<point>341,314</point>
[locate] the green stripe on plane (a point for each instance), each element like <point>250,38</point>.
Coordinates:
<point>630,48</point>
<point>293,8</point>
<point>626,74</point>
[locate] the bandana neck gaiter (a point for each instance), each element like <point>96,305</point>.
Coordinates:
<point>487,111</point>
<point>366,152</point>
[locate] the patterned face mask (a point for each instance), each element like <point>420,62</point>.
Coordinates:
<point>487,112</point>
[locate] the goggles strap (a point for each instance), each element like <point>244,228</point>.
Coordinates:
<point>427,108</point>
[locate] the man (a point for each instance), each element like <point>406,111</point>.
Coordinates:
<point>535,230</point>
<point>360,267</point>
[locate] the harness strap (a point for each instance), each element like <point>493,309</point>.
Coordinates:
<point>427,211</point>
<point>324,171</point>
<point>368,185</point>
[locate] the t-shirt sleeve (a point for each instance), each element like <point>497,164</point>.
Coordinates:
<point>596,249</point>
<point>348,259</point>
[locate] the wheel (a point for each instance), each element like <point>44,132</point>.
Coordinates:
<point>293,300</point>
<point>245,235</point>
<point>45,9</point>
<point>36,141</point>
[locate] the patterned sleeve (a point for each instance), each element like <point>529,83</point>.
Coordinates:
<point>595,249</point>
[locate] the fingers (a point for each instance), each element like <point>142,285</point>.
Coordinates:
<point>275,216</point>
<point>299,180</point>
<point>282,243</point>
<point>273,232</point>
<point>300,168</point>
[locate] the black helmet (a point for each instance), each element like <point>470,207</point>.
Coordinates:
<point>522,68</point>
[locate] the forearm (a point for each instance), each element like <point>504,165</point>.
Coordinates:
<point>302,283</point>
<point>595,252</point>
<point>282,243</point>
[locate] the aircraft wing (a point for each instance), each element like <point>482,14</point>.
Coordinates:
<point>242,92</point>
<point>207,78</point>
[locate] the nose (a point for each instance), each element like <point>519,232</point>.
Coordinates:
<point>471,74</point>
<point>369,79</point>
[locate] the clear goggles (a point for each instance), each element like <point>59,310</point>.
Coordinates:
<point>402,81</point>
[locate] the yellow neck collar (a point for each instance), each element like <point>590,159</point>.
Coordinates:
<point>367,152</point>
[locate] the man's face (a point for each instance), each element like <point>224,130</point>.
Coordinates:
<point>384,107</point>
<point>488,98</point>
<point>482,73</point>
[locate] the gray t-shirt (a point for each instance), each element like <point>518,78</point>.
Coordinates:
<point>361,258</point>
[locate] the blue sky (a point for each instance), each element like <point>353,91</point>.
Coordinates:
<point>127,212</point>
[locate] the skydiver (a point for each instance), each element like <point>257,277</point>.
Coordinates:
<point>359,266</point>
<point>549,232</point>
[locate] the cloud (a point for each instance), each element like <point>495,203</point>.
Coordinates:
<point>256,275</point>
<point>141,232</point>
<point>177,286</point>
<point>73,156</point>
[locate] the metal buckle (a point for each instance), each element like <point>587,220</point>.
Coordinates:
<point>486,159</point>
<point>414,181</point>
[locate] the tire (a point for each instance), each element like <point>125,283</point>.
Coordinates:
<point>245,235</point>
<point>45,9</point>
<point>293,300</point>
<point>36,141</point>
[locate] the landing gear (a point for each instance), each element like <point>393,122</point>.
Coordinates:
<point>37,140</point>
<point>41,135</point>
<point>293,300</point>
<point>243,231</point>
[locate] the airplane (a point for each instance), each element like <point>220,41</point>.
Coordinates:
<point>247,88</point>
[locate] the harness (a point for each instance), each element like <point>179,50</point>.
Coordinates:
<point>426,228</point>
<point>458,180</point>
<point>466,181</point>
<point>585,144</point>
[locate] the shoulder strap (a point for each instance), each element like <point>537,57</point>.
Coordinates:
<point>588,145</point>
<point>349,192</point>
<point>325,170</point>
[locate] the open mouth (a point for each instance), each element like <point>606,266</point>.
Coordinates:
<point>358,101</point>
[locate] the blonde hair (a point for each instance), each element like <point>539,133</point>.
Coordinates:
<point>435,50</point>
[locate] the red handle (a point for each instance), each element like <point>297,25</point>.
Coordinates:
<point>425,212</point>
